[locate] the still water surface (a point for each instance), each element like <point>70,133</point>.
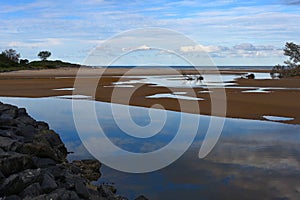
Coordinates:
<point>252,159</point>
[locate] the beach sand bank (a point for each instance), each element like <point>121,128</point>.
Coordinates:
<point>280,97</point>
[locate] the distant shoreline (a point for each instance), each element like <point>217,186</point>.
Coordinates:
<point>191,67</point>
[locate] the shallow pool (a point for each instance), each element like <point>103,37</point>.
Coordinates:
<point>252,159</point>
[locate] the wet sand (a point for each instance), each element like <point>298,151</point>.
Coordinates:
<point>40,83</point>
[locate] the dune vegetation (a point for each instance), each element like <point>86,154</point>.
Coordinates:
<point>10,61</point>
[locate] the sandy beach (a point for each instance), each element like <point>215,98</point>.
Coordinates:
<point>281,96</point>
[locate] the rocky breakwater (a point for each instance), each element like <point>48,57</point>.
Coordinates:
<point>33,163</point>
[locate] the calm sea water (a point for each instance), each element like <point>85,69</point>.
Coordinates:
<point>202,67</point>
<point>252,159</point>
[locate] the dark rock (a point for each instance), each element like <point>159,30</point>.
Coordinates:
<point>89,169</point>
<point>64,195</point>
<point>75,168</point>
<point>59,171</point>
<point>10,132</point>
<point>43,162</point>
<point>59,194</point>
<point>33,163</point>
<point>28,131</point>
<point>37,149</point>
<point>32,191</point>
<point>250,76</point>
<point>141,197</point>
<point>70,179</point>
<point>120,198</point>
<point>42,150</point>
<point>8,144</point>
<point>9,114</point>
<point>111,188</point>
<point>50,136</point>
<point>12,197</point>
<point>42,126</point>
<point>22,112</point>
<point>16,183</point>
<point>54,144</point>
<point>81,190</point>
<point>200,78</point>
<point>2,177</point>
<point>12,162</point>
<point>5,107</point>
<point>69,183</point>
<point>95,197</point>
<point>4,123</point>
<point>24,120</point>
<point>107,190</point>
<point>48,183</point>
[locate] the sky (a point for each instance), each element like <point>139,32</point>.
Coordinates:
<point>232,32</point>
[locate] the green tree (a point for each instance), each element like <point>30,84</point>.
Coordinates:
<point>24,61</point>
<point>12,55</point>
<point>292,67</point>
<point>44,55</point>
<point>293,51</point>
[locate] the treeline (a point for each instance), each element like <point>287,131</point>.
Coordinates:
<point>292,65</point>
<point>10,61</point>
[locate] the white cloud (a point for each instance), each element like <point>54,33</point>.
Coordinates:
<point>291,2</point>
<point>200,48</point>
<point>37,43</point>
<point>239,50</point>
<point>141,48</point>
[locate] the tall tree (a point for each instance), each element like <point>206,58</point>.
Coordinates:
<point>44,55</point>
<point>292,67</point>
<point>12,55</point>
<point>293,51</point>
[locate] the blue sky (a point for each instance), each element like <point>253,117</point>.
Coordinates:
<point>233,32</point>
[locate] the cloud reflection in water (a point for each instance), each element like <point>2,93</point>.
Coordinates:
<point>253,159</point>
